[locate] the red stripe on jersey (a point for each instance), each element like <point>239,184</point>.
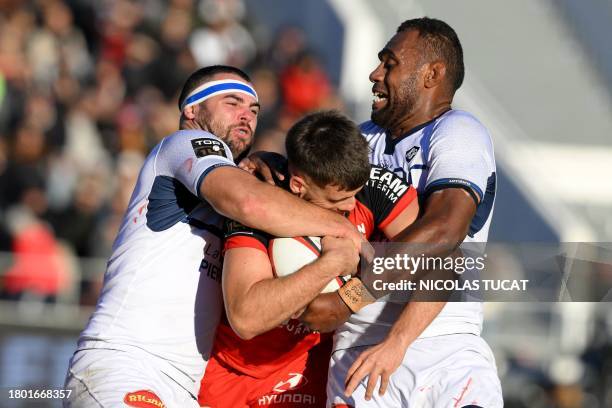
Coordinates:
<point>308,244</point>
<point>400,206</point>
<point>241,241</point>
<point>271,256</point>
<point>361,214</point>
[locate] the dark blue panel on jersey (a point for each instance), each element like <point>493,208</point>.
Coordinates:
<point>484,208</point>
<point>169,203</point>
<point>470,187</point>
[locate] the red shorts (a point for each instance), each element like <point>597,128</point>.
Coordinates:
<point>301,383</point>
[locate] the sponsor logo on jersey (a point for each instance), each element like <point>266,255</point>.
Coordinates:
<point>232,227</point>
<point>206,147</point>
<point>143,399</point>
<point>303,399</point>
<point>387,182</point>
<point>281,394</point>
<point>295,381</point>
<point>411,153</point>
<point>296,327</point>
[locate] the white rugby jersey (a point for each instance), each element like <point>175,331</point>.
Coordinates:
<point>162,289</point>
<point>453,150</point>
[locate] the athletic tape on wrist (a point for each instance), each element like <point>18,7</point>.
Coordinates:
<point>355,295</point>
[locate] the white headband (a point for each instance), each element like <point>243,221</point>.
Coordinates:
<point>214,88</point>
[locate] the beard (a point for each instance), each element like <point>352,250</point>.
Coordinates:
<point>236,144</point>
<point>399,105</point>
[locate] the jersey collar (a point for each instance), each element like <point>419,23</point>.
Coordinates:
<point>390,143</point>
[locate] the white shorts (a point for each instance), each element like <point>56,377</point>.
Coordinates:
<point>115,378</point>
<point>455,370</point>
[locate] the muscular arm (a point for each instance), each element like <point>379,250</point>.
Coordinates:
<point>238,195</point>
<point>257,302</point>
<point>443,226</point>
<point>444,223</point>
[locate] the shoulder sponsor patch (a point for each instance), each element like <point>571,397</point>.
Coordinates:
<point>207,146</point>
<point>143,399</point>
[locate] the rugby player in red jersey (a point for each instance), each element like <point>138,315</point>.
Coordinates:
<point>261,356</point>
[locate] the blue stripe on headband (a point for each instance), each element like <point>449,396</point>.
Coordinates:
<point>206,92</point>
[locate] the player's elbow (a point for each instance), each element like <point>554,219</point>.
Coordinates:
<point>243,325</point>
<point>244,332</point>
<point>242,329</point>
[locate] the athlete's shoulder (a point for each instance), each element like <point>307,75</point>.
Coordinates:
<point>369,128</point>
<point>455,121</point>
<point>461,129</point>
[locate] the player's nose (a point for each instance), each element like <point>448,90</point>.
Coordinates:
<point>377,74</point>
<point>246,115</point>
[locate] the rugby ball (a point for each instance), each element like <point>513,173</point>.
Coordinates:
<point>288,255</point>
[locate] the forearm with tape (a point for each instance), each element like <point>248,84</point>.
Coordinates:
<point>355,295</point>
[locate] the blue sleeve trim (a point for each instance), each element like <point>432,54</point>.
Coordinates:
<point>470,187</point>
<point>206,173</point>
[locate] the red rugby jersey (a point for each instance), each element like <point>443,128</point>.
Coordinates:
<point>380,201</point>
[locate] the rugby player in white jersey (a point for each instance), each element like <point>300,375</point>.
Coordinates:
<point>149,339</point>
<point>421,354</point>
<point>447,155</point>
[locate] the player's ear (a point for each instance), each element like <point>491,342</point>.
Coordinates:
<point>434,74</point>
<point>297,185</point>
<point>189,112</point>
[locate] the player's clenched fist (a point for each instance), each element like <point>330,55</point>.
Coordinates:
<point>339,255</point>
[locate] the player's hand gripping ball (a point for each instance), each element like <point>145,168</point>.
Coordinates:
<point>288,255</point>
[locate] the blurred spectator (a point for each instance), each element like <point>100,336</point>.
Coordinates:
<point>39,268</point>
<point>57,46</point>
<point>118,25</point>
<point>289,43</point>
<point>223,40</point>
<point>304,84</point>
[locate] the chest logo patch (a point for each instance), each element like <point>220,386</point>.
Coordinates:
<point>411,153</point>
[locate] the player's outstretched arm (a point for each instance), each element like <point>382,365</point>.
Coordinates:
<point>238,195</point>
<point>443,226</point>
<point>256,302</point>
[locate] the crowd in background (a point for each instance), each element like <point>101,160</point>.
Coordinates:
<point>87,88</point>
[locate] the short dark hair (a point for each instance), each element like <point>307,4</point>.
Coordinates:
<point>203,74</point>
<point>441,42</point>
<point>328,148</point>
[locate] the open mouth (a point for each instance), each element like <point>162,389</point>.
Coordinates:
<point>379,99</point>
<point>242,131</point>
